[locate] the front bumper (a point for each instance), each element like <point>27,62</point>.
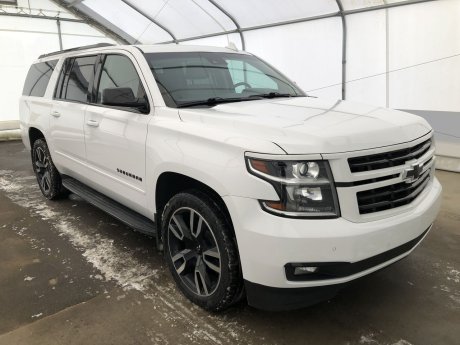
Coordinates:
<point>267,242</point>
<point>278,299</point>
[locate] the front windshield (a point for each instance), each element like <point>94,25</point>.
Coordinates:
<point>205,78</point>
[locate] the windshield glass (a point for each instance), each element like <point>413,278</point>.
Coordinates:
<point>208,78</point>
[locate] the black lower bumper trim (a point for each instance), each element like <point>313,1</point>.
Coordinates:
<point>283,299</point>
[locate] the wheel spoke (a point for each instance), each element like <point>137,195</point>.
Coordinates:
<point>184,227</point>
<point>201,278</point>
<point>177,229</point>
<point>210,257</point>
<point>182,259</point>
<point>43,182</point>
<point>192,218</point>
<point>195,231</point>
<point>38,155</point>
<point>47,179</point>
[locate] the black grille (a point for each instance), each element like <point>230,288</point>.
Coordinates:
<point>395,195</point>
<point>388,159</point>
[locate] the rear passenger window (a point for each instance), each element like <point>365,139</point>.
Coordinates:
<point>77,76</point>
<point>38,78</point>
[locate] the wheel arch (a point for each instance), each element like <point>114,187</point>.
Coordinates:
<point>35,134</point>
<point>170,183</point>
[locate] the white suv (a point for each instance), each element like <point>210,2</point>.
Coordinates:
<point>251,187</point>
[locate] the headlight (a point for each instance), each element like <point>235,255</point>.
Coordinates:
<point>305,188</point>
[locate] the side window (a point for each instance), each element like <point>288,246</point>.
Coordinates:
<point>38,78</point>
<point>77,78</point>
<point>120,85</point>
<point>63,74</point>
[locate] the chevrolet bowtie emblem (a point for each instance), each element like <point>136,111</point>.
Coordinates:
<point>412,173</point>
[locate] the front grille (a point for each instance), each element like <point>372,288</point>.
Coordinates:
<point>388,159</point>
<point>395,195</point>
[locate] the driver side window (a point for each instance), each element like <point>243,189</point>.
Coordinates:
<point>119,83</point>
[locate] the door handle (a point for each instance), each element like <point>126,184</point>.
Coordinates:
<point>92,123</point>
<point>55,113</point>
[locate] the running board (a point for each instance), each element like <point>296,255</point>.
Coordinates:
<point>124,214</point>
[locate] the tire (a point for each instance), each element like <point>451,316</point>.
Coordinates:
<point>201,254</point>
<point>48,178</point>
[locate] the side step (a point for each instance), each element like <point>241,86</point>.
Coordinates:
<point>131,218</point>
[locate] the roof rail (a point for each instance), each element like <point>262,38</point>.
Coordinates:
<point>99,45</point>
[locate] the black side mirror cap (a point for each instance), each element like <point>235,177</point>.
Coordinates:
<point>123,97</point>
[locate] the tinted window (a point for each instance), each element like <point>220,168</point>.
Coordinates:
<point>38,78</point>
<point>119,77</point>
<point>191,77</point>
<point>78,79</point>
<point>64,72</point>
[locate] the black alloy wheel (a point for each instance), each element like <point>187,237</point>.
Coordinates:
<point>48,178</point>
<point>201,252</point>
<point>193,251</point>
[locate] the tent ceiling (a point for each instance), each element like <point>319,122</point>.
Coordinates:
<point>159,21</point>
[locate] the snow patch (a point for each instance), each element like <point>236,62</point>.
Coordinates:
<point>9,186</point>
<point>453,274</point>
<point>113,263</point>
<point>402,342</point>
<point>367,339</point>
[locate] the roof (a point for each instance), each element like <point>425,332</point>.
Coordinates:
<point>163,48</point>
<point>146,48</point>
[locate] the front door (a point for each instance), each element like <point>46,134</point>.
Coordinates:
<point>116,133</point>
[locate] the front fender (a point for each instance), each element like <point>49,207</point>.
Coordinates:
<point>214,159</point>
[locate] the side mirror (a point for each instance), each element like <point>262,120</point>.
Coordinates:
<point>123,97</point>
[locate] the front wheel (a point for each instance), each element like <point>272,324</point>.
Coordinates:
<point>48,178</point>
<point>201,252</point>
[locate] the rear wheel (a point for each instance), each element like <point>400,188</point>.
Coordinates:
<point>48,178</point>
<point>201,252</point>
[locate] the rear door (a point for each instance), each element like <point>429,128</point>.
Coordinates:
<point>67,116</point>
<point>115,135</point>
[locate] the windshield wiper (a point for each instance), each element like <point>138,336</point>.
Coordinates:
<point>219,100</point>
<point>274,95</point>
<point>212,101</point>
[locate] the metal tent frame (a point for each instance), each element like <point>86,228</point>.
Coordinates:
<point>78,8</point>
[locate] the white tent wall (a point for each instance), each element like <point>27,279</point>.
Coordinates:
<point>309,53</point>
<point>23,39</point>
<point>424,70</point>
<point>366,57</point>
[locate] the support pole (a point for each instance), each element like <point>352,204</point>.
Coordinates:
<point>153,20</point>
<point>235,22</point>
<point>344,49</point>
<point>58,23</point>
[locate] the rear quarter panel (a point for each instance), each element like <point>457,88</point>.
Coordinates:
<point>35,111</point>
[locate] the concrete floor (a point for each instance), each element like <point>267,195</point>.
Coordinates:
<point>70,274</point>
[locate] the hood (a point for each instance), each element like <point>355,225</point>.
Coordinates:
<point>309,125</point>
